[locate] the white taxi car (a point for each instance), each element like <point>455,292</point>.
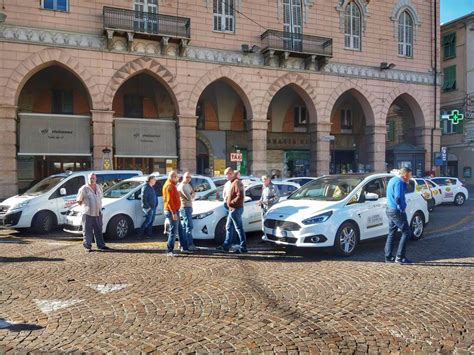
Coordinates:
<point>210,215</point>
<point>339,211</point>
<point>453,190</point>
<point>121,206</point>
<point>430,192</point>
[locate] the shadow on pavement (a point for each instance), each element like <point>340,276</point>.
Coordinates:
<point>24,259</point>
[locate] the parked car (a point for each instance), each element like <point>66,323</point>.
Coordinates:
<point>430,192</point>
<point>339,211</point>
<point>43,206</point>
<point>303,180</point>
<point>453,190</point>
<point>209,213</point>
<point>121,207</point>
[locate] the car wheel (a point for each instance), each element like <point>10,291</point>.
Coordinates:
<point>459,199</point>
<point>119,227</point>
<point>44,222</point>
<point>347,238</point>
<point>417,226</point>
<point>219,234</point>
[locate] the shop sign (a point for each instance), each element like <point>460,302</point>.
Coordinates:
<point>327,138</point>
<point>149,138</point>
<point>444,153</point>
<point>236,157</point>
<point>48,134</point>
<point>469,107</point>
<point>287,141</point>
<point>455,116</point>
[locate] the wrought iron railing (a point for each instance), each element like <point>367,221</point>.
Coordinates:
<point>146,22</point>
<point>296,42</point>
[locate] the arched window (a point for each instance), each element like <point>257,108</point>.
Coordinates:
<point>352,26</point>
<point>405,34</point>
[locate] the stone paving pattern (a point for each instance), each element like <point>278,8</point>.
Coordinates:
<point>263,302</point>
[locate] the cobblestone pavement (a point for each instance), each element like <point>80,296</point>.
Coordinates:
<point>55,297</point>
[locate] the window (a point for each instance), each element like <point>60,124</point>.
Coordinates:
<point>200,115</point>
<point>63,102</point>
<point>146,18</point>
<point>285,190</point>
<point>405,35</point>
<point>133,106</point>
<point>449,78</point>
<point>224,16</point>
<point>449,45</point>
<point>72,186</point>
<point>293,25</point>
<point>158,187</point>
<point>200,184</point>
<point>448,127</point>
<point>410,187</point>
<point>108,180</point>
<point>254,193</point>
<point>346,121</point>
<point>391,131</point>
<point>300,116</point>
<point>375,186</point>
<point>58,5</point>
<point>352,26</point>
<point>467,172</point>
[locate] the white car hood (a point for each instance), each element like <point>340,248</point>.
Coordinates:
<point>12,201</point>
<point>105,202</point>
<point>298,210</point>
<point>205,206</point>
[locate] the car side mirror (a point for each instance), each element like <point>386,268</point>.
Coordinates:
<point>370,196</point>
<point>62,191</point>
<point>247,199</point>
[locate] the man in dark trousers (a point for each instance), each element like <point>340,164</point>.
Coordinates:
<point>149,203</point>
<point>397,217</point>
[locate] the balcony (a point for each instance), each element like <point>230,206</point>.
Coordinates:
<point>149,25</point>
<point>278,46</point>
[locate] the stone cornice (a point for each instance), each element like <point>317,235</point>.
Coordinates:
<point>56,38</point>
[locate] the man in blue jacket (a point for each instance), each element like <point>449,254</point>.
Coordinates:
<point>397,217</point>
<point>149,204</point>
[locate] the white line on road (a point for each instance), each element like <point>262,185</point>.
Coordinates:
<point>107,288</point>
<point>48,306</point>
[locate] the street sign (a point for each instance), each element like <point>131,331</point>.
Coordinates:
<point>236,157</point>
<point>327,138</point>
<point>444,153</point>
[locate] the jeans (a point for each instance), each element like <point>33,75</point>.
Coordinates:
<point>175,228</point>
<point>397,220</point>
<point>234,226</point>
<point>147,225</point>
<point>187,224</point>
<point>92,227</point>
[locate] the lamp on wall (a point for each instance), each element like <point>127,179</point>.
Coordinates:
<point>386,66</point>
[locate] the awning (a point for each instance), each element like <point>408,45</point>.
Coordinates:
<point>49,134</point>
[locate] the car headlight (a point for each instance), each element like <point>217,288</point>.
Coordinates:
<point>20,205</point>
<point>320,218</point>
<point>202,215</point>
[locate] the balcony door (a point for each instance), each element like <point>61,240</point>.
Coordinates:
<point>146,16</point>
<point>293,25</point>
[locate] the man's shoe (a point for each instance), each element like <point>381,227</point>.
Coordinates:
<point>390,259</point>
<point>402,260</point>
<point>241,251</point>
<point>185,251</point>
<point>104,248</point>
<point>87,250</point>
<point>171,254</point>
<point>193,248</point>
<point>222,249</point>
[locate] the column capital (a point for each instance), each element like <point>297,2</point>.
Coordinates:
<point>187,120</point>
<point>102,116</point>
<point>8,111</point>
<point>258,124</point>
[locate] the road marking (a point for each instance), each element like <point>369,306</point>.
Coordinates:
<point>107,288</point>
<point>49,306</point>
<point>460,223</point>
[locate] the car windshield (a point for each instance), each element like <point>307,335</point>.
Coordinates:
<point>215,195</point>
<point>121,189</point>
<point>328,188</point>
<point>44,185</point>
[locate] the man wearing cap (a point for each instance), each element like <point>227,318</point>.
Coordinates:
<point>89,197</point>
<point>149,203</point>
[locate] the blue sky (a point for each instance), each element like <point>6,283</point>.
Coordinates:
<point>452,9</point>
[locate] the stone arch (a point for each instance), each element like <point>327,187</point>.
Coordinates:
<point>409,95</point>
<point>142,65</point>
<point>302,86</point>
<point>363,95</point>
<point>230,77</point>
<point>43,59</point>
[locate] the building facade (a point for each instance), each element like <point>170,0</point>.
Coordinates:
<point>457,95</point>
<point>297,87</point>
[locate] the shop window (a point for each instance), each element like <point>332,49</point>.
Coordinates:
<point>405,35</point>
<point>133,106</point>
<point>300,116</point>
<point>63,102</point>
<point>449,45</point>
<point>391,131</point>
<point>224,16</point>
<point>58,5</point>
<point>352,26</point>
<point>449,78</point>
<point>346,121</point>
<point>467,172</point>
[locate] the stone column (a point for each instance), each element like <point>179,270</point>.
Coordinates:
<point>8,178</point>
<point>423,139</point>
<point>258,146</point>
<point>319,150</point>
<point>187,142</point>
<point>376,137</point>
<point>102,135</point>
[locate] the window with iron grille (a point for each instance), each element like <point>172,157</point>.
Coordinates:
<point>352,26</point>
<point>224,16</point>
<point>391,131</point>
<point>200,115</point>
<point>293,25</point>
<point>405,35</point>
<point>346,120</point>
<point>449,45</point>
<point>300,116</point>
<point>58,5</point>
<point>63,102</point>
<point>449,78</point>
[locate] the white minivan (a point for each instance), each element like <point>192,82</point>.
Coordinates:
<point>43,207</point>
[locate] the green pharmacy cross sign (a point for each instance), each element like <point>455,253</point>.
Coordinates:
<point>455,116</point>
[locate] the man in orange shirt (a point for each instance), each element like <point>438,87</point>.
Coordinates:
<point>172,204</point>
